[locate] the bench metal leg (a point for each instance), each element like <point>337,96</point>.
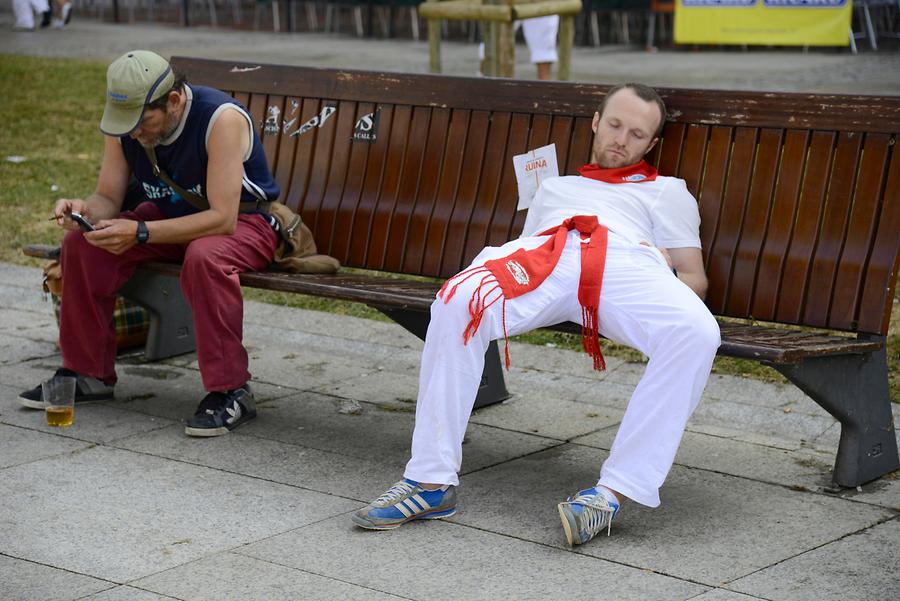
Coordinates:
<point>854,389</point>
<point>493,386</point>
<point>171,321</point>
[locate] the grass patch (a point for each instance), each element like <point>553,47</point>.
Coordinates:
<point>51,112</point>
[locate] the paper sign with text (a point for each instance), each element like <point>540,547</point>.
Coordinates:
<point>532,168</point>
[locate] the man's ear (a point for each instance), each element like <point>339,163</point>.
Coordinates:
<point>652,144</point>
<point>595,123</point>
<point>173,100</point>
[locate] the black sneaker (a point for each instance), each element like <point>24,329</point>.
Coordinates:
<point>46,16</point>
<point>221,412</point>
<point>87,389</point>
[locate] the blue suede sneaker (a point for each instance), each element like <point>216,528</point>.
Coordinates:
<point>406,501</point>
<point>586,515</point>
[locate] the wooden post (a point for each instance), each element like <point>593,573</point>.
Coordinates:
<point>491,49</point>
<point>434,45</point>
<point>566,37</point>
<point>506,42</point>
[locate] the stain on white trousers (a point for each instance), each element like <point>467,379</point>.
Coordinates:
<point>642,305</point>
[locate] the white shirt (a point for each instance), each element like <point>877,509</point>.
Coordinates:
<point>661,212</point>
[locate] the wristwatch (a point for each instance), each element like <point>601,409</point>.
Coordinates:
<point>143,234</point>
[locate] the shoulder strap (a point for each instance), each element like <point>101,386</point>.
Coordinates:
<point>195,199</point>
<point>192,197</point>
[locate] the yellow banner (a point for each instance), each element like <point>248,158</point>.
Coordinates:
<point>763,22</point>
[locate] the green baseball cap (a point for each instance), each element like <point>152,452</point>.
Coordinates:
<point>133,80</point>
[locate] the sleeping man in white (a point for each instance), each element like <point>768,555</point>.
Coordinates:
<point>616,248</point>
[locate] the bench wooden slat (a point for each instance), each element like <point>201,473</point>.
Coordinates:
<point>287,147</point>
<point>340,126</point>
<point>720,267</point>
<point>508,193</point>
<point>369,194</point>
<point>467,193</point>
<point>884,262</point>
<point>806,227</point>
<point>580,148</point>
<point>412,255</point>
<point>756,222</point>
<point>712,192</point>
<point>490,171</point>
<point>831,236</point>
<point>861,226</point>
<point>693,156</point>
<point>669,152</point>
<point>348,203</point>
<point>780,226</point>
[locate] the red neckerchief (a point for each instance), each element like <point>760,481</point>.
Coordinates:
<point>632,174</point>
<point>524,270</point>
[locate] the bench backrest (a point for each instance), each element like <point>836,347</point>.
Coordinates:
<point>799,194</point>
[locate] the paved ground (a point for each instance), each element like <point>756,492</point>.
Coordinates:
<point>827,70</point>
<point>122,506</point>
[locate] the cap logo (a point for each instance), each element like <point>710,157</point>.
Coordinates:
<point>117,97</point>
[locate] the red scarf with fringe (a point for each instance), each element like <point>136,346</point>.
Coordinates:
<point>524,270</point>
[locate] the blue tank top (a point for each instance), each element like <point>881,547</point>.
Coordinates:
<point>185,160</point>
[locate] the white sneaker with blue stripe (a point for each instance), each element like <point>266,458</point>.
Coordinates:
<point>586,514</point>
<point>406,501</point>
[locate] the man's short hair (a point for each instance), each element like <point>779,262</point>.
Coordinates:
<point>645,93</point>
<point>162,102</point>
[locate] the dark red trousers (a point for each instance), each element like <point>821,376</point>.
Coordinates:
<point>209,280</point>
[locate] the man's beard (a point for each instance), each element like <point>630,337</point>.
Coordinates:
<point>171,125</point>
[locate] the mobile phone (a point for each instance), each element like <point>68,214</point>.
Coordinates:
<point>83,223</point>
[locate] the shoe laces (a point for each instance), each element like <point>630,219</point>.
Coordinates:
<point>397,492</point>
<point>597,513</point>
<point>210,403</point>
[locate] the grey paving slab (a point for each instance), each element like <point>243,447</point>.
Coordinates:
<point>126,593</point>
<point>15,349</point>
<point>753,392</point>
<point>305,349</point>
<point>861,567</point>
<point>20,445</point>
<point>171,392</point>
<point>379,386</point>
<point>444,560</point>
<point>383,432</point>
<point>95,422</point>
<point>326,324</point>
<point>303,368</point>
<point>559,362</point>
<point>359,478</point>
<point>231,577</point>
<point>28,581</point>
<point>759,424</point>
<point>720,594</point>
<point>582,388</point>
<point>541,412</point>
<point>130,515</point>
<point>710,528</point>
<point>801,469</point>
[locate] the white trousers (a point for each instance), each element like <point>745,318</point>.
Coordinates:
<point>642,305</point>
<point>24,11</point>
<point>540,36</point>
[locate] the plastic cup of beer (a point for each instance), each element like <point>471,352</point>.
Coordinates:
<point>58,395</point>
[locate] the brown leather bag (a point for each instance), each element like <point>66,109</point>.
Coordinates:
<point>297,251</point>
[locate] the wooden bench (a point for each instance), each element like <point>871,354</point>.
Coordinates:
<point>799,198</point>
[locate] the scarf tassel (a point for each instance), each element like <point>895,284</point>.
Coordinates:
<point>590,336</point>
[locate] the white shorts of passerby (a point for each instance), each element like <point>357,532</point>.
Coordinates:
<point>642,304</point>
<point>24,11</point>
<point>540,35</point>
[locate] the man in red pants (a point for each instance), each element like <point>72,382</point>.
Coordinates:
<point>204,143</point>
